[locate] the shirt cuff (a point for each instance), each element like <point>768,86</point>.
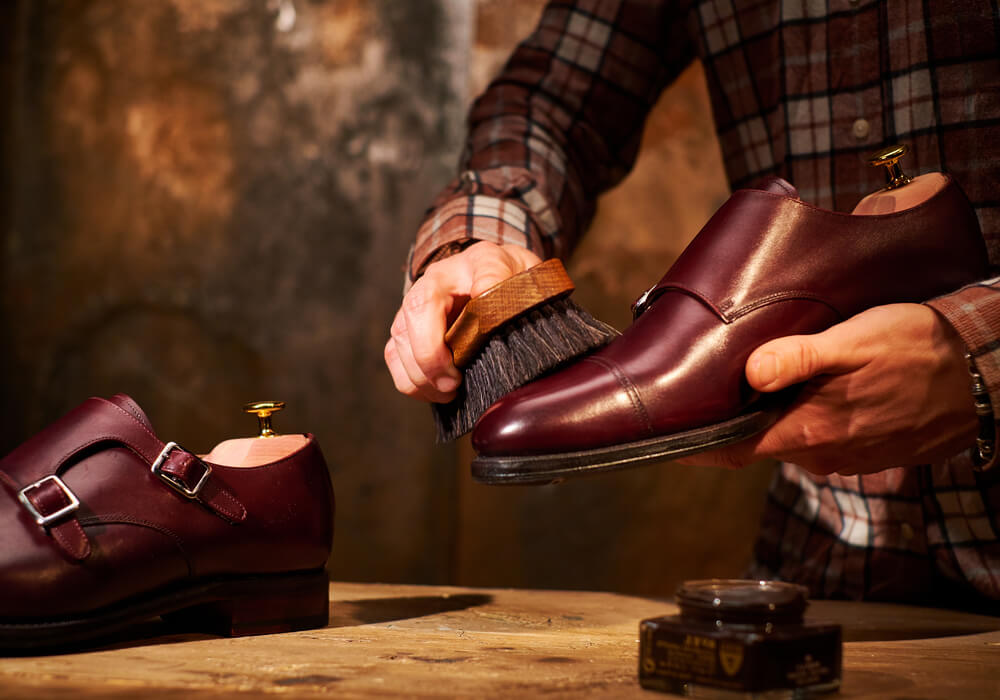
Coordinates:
<point>473,217</point>
<point>974,312</point>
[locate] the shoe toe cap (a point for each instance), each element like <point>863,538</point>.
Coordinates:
<point>580,407</point>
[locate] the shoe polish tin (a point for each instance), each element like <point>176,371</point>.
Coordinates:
<point>736,638</point>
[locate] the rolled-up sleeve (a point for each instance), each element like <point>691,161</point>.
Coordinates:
<point>559,125</point>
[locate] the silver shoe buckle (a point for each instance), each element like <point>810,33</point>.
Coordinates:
<point>640,305</point>
<point>46,520</point>
<point>172,481</point>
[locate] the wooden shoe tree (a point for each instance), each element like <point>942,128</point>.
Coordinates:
<point>901,192</point>
<point>265,448</point>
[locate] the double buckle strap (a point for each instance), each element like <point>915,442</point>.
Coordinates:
<point>40,518</point>
<point>172,480</point>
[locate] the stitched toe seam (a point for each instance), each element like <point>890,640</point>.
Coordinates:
<point>638,408</point>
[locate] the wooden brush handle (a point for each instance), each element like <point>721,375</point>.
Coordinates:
<point>503,302</point>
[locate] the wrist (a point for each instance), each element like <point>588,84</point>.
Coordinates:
<point>445,251</point>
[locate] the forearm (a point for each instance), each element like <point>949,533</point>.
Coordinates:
<point>559,125</point>
<point>470,210</point>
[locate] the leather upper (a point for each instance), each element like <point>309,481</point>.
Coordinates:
<point>766,265</point>
<point>134,531</point>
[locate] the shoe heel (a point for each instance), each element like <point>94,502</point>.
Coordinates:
<point>263,605</point>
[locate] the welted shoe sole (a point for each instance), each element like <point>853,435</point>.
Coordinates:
<point>232,606</point>
<point>553,468</point>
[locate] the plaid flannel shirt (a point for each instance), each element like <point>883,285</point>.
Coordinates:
<point>803,89</point>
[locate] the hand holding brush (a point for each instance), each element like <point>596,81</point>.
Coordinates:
<point>420,362</point>
<point>518,324</point>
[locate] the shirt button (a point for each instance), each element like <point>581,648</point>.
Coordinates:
<point>906,531</point>
<point>861,128</point>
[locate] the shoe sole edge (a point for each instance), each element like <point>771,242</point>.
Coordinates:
<point>556,467</point>
<point>227,606</point>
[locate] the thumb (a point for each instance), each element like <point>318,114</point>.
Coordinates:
<point>796,358</point>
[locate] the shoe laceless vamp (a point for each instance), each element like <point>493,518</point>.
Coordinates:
<point>133,533</point>
<point>765,266</point>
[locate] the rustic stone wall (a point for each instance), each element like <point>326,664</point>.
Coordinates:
<point>211,203</point>
<point>207,202</point>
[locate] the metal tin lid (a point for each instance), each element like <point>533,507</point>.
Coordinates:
<point>742,601</point>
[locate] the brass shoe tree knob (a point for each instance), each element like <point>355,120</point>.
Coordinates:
<point>264,409</point>
<point>888,158</point>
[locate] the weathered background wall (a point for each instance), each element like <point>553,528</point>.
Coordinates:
<point>207,202</point>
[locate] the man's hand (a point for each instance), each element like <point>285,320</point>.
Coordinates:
<point>888,387</point>
<point>416,355</point>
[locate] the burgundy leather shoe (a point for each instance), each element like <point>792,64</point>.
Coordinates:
<point>766,265</point>
<point>103,525</point>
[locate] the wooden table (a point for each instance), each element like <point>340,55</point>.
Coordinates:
<point>421,641</point>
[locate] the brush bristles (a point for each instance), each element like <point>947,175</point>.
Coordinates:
<point>521,350</point>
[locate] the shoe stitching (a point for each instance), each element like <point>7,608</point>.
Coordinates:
<point>235,511</point>
<point>661,290</point>
<point>227,504</point>
<point>222,501</point>
<point>630,389</point>
<point>124,519</point>
<point>134,418</point>
<point>111,437</point>
<point>789,295</point>
<point>214,495</point>
<point>58,534</point>
<point>222,495</point>
<point>725,312</point>
<point>75,549</point>
<point>11,484</point>
<point>131,408</point>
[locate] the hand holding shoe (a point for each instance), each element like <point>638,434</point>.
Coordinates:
<point>888,387</point>
<point>765,267</point>
<point>416,355</point>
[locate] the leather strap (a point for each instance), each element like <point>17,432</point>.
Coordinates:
<point>52,499</point>
<point>731,263</point>
<point>195,479</point>
<point>31,469</point>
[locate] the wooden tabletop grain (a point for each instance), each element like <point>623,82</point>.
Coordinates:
<point>437,641</point>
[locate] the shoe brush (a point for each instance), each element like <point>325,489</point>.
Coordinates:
<point>510,334</point>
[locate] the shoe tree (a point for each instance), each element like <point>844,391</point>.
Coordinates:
<point>267,447</point>
<point>901,191</point>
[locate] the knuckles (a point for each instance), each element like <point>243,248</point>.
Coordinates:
<point>432,361</point>
<point>808,359</point>
<point>420,297</point>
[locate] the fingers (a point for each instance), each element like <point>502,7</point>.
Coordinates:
<point>794,359</point>
<point>407,374</point>
<point>418,359</point>
<point>886,388</point>
<point>419,329</point>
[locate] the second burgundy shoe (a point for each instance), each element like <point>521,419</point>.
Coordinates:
<point>766,265</point>
<point>102,525</point>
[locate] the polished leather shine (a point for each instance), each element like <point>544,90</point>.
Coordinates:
<point>766,265</point>
<point>135,533</point>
